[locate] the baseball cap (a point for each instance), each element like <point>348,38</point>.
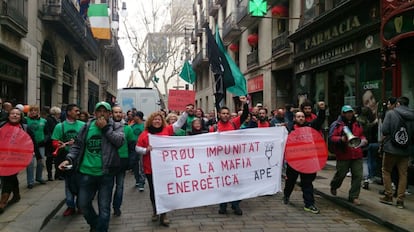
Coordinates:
<point>104,104</point>
<point>347,108</point>
<point>259,105</point>
<point>138,114</point>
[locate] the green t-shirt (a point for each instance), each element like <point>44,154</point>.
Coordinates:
<point>37,126</point>
<point>188,127</point>
<point>92,160</point>
<point>129,136</point>
<point>180,132</point>
<point>137,129</point>
<point>71,130</point>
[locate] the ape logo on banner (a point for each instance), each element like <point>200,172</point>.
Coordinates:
<point>191,171</point>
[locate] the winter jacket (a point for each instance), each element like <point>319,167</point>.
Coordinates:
<point>112,138</point>
<point>341,149</point>
<point>390,124</point>
<point>143,141</point>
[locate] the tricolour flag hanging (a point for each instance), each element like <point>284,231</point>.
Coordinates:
<point>187,73</point>
<point>99,20</point>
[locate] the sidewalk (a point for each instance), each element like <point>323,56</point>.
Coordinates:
<point>41,203</point>
<point>35,208</point>
<point>387,215</point>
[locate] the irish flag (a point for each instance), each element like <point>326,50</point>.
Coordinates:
<point>99,20</point>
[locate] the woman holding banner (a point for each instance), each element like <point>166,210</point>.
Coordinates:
<point>14,133</point>
<point>156,125</point>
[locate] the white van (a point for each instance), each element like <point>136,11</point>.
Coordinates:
<point>146,100</point>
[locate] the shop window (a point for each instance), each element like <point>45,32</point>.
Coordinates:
<point>407,80</point>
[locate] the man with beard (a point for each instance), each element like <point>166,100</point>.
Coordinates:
<point>278,118</point>
<point>123,151</point>
<point>226,124</point>
<point>63,138</point>
<point>263,120</point>
<point>306,179</point>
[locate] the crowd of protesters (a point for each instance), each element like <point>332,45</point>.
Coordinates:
<point>93,152</point>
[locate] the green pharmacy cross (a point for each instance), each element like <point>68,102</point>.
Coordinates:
<point>258,8</point>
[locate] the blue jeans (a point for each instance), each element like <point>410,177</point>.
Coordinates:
<point>70,197</point>
<point>39,168</point>
<point>372,159</point>
<point>88,187</point>
<point>119,189</point>
<point>138,171</point>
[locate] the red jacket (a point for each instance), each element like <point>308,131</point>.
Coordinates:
<point>143,141</point>
<point>341,149</point>
<point>263,124</point>
<point>232,124</point>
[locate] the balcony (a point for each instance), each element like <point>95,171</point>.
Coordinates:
<point>244,19</point>
<point>204,18</point>
<point>213,7</point>
<point>271,3</point>
<point>200,60</point>
<point>193,37</point>
<point>230,28</point>
<point>65,19</point>
<point>252,59</point>
<point>13,16</point>
<point>198,29</point>
<point>221,2</point>
<point>280,43</point>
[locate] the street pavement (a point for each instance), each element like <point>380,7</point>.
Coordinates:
<point>41,209</point>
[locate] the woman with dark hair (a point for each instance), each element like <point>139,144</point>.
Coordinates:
<point>199,113</point>
<point>156,125</point>
<point>197,127</point>
<point>10,184</point>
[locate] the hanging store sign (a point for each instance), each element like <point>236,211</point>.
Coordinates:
<point>399,26</point>
<point>255,84</point>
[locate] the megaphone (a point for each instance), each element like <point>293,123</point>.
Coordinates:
<point>353,141</point>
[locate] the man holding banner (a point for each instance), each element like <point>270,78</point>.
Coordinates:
<point>294,165</point>
<point>227,124</point>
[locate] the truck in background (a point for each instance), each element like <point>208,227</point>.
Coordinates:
<point>146,100</point>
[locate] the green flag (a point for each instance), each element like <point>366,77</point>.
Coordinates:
<point>187,73</point>
<point>239,88</point>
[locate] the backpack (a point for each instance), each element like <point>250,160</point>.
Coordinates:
<point>399,137</point>
<point>331,145</point>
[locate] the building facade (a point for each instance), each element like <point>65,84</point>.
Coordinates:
<point>49,56</point>
<point>321,50</point>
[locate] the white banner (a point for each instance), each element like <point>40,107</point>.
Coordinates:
<point>192,171</point>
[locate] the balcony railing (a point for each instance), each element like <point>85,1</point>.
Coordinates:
<point>280,43</point>
<point>203,18</point>
<point>193,37</point>
<point>243,17</point>
<point>13,15</point>
<point>252,59</point>
<point>48,70</point>
<point>213,7</point>
<point>67,79</point>
<point>65,18</point>
<point>230,28</point>
<point>200,59</point>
